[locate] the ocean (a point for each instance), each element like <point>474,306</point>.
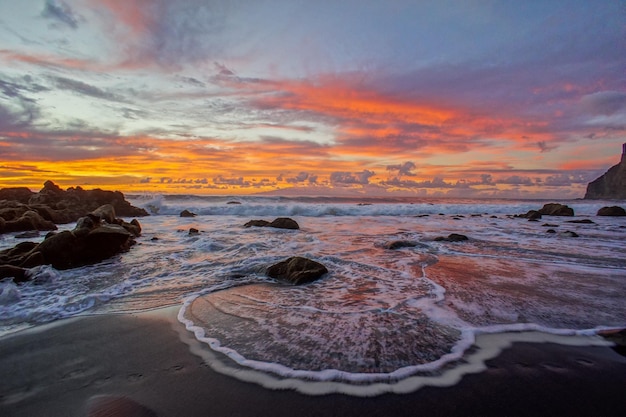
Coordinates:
<point>380,317</point>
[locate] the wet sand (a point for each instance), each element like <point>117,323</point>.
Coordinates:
<point>138,364</point>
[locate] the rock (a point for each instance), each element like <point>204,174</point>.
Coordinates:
<point>193,231</point>
<point>9,271</point>
<point>530,215</point>
<point>611,211</point>
<point>297,270</point>
<point>556,209</point>
<point>284,223</point>
<point>30,220</point>
<point>550,231</point>
<point>568,233</point>
<point>187,213</point>
<point>618,337</point>
<point>233,202</point>
<point>105,212</point>
<point>454,237</point>
<point>134,228</point>
<point>279,223</point>
<point>612,184</point>
<point>582,221</point>
<point>397,244</point>
<point>549,225</point>
<point>19,194</point>
<point>66,250</point>
<point>257,223</point>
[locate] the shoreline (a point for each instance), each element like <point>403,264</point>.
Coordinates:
<point>66,367</point>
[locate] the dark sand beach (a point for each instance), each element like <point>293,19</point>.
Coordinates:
<point>85,365</point>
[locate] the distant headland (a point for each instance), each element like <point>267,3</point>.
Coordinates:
<point>612,184</point>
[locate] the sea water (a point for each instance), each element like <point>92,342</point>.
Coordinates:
<point>380,317</point>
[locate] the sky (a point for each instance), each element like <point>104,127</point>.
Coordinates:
<point>471,98</point>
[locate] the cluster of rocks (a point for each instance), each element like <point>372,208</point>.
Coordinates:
<point>23,210</point>
<point>96,237</point>
<point>556,209</point>
<point>550,209</point>
<point>98,234</point>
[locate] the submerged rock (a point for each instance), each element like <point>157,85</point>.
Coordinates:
<point>398,244</point>
<point>454,237</point>
<point>611,211</point>
<point>297,270</point>
<point>582,221</point>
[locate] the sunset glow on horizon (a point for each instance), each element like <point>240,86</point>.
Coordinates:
<point>459,98</point>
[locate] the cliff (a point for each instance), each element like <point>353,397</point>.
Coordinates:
<point>611,185</point>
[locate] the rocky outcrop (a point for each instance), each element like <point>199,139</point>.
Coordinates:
<point>96,237</point>
<point>22,210</point>
<point>279,223</point>
<point>612,184</point>
<point>297,270</point>
<point>611,211</point>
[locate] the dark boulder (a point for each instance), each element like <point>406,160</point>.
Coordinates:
<point>556,209</point>
<point>105,212</point>
<point>530,215</point>
<point>9,271</point>
<point>187,213</point>
<point>611,211</point>
<point>284,223</point>
<point>257,223</point>
<point>279,223</point>
<point>582,221</point>
<point>454,237</point>
<point>568,233</point>
<point>29,220</point>
<point>19,194</point>
<point>297,270</point>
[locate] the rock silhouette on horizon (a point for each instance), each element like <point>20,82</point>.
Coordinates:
<point>612,184</point>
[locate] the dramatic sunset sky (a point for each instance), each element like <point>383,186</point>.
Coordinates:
<point>393,97</point>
